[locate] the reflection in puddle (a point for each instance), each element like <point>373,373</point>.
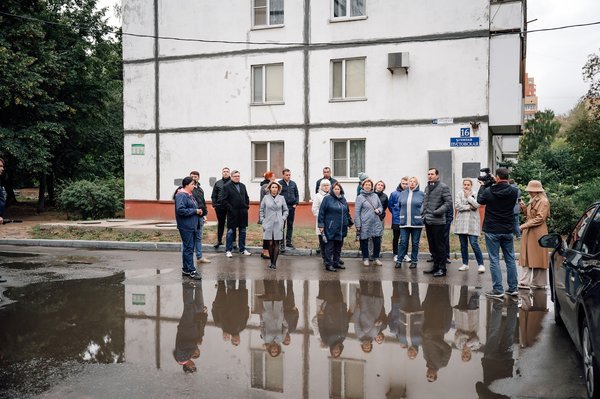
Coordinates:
<point>314,339</point>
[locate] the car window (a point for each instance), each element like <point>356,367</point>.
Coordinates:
<point>590,243</point>
<point>575,241</point>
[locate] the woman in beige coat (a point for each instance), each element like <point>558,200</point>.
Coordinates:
<point>533,258</point>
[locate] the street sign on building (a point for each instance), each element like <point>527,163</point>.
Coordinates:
<point>464,141</point>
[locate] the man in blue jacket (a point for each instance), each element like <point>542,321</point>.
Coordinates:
<point>289,191</point>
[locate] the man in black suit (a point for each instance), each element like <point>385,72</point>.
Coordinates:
<point>235,198</point>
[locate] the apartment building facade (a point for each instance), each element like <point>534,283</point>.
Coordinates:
<point>386,87</point>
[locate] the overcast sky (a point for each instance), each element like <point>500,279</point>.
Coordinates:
<point>554,58</point>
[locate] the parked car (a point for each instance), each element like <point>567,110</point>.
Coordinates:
<point>575,289</point>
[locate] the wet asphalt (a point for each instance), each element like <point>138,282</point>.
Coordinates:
<point>112,323</point>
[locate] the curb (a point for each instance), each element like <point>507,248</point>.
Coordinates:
<point>176,247</point>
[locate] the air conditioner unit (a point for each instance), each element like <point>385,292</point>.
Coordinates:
<point>397,61</point>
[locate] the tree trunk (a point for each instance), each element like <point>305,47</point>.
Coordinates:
<point>41,193</point>
<point>50,189</point>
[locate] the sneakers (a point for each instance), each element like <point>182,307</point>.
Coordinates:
<point>228,254</point>
<point>246,253</point>
<point>495,294</point>
<point>378,262</point>
<point>463,268</point>
<point>195,276</point>
<point>366,262</point>
<point>523,286</point>
<point>413,265</point>
<point>481,269</point>
<point>395,258</point>
<point>290,246</point>
<point>406,258</point>
<point>203,260</point>
<point>512,293</point>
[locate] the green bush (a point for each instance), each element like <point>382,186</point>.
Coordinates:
<point>92,199</point>
<point>587,194</point>
<point>563,214</point>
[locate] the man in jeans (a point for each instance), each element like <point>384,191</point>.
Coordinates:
<point>499,199</point>
<point>289,191</point>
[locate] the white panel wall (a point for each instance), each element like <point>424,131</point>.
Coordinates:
<point>400,18</point>
<point>221,20</point>
<point>447,78</point>
<point>505,90</point>
<point>217,92</point>
<point>140,182</point>
<point>394,152</point>
<point>138,18</point>
<point>209,152</point>
<point>138,96</point>
<point>506,15</point>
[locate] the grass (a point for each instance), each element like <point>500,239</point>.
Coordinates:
<point>304,237</point>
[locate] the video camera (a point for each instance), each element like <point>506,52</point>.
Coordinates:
<point>485,177</point>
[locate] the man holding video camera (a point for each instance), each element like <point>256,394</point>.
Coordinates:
<point>499,198</point>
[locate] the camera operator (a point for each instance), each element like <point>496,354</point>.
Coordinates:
<point>499,198</point>
<point>435,204</point>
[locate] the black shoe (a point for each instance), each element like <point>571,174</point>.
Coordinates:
<point>431,271</point>
<point>339,266</point>
<point>413,265</point>
<point>448,261</point>
<point>195,276</point>
<point>319,251</point>
<point>439,273</point>
<point>282,248</point>
<point>2,280</point>
<point>217,245</point>
<point>290,246</point>
<point>430,260</point>
<point>263,256</point>
<point>341,262</point>
<point>398,265</point>
<point>272,266</point>
<point>185,274</point>
<point>330,268</point>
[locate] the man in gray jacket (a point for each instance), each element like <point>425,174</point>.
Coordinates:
<point>435,204</point>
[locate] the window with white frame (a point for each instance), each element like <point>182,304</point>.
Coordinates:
<point>267,83</point>
<point>348,78</point>
<point>267,371</point>
<point>346,378</point>
<point>348,157</point>
<point>267,12</point>
<point>348,8</point>
<point>267,155</point>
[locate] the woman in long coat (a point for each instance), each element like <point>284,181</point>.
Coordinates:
<point>467,225</point>
<point>533,258</point>
<point>368,225</point>
<point>333,222</point>
<point>273,213</point>
<point>324,188</point>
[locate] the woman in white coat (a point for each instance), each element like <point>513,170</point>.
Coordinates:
<point>467,225</point>
<point>324,187</point>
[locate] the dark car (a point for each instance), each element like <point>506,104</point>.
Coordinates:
<point>575,287</point>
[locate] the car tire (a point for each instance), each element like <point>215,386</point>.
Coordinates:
<point>557,319</point>
<point>590,363</point>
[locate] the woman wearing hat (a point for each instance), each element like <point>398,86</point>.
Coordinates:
<point>273,213</point>
<point>533,258</point>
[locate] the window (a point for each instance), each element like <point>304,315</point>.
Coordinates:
<point>346,378</point>
<point>267,83</point>
<point>348,78</point>
<point>267,371</point>
<point>267,12</point>
<point>348,157</point>
<point>348,8</point>
<point>267,156</point>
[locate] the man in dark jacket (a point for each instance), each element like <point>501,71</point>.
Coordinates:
<point>437,319</point>
<point>217,204</point>
<point>198,194</point>
<point>498,226</point>
<point>289,191</point>
<point>326,175</point>
<point>235,199</point>
<point>435,205</point>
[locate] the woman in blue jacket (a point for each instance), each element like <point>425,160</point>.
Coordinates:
<point>394,207</point>
<point>187,216</point>
<point>411,223</point>
<point>333,222</point>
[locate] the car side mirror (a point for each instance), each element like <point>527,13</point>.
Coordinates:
<point>550,241</point>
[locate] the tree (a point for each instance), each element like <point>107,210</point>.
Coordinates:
<point>60,92</point>
<point>591,73</point>
<point>539,132</point>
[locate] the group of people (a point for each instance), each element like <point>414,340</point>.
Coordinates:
<point>411,208</point>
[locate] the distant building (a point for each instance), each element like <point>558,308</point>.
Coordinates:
<point>530,100</point>
<point>387,87</point>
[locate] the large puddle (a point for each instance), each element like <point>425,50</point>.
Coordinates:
<point>255,338</point>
